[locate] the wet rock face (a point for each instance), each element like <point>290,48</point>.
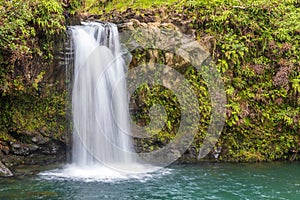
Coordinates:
<point>4,149</point>
<point>39,140</point>
<point>159,15</point>
<point>164,38</point>
<point>21,149</point>
<point>38,150</point>
<point>53,147</point>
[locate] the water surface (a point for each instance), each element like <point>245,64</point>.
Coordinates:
<point>198,181</point>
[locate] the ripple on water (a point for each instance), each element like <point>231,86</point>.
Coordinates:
<point>203,181</point>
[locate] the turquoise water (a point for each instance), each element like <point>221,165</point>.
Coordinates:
<point>198,181</point>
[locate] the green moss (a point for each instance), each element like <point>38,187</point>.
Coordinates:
<point>256,48</point>
<point>28,107</point>
<point>28,115</point>
<point>29,29</point>
<point>96,7</point>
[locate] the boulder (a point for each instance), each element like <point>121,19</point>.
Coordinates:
<point>4,171</point>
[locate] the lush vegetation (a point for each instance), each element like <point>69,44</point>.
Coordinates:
<point>255,45</point>
<point>257,50</point>
<point>92,6</point>
<point>27,34</point>
<point>29,104</point>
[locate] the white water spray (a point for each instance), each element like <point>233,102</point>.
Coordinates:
<point>102,149</point>
<point>99,99</point>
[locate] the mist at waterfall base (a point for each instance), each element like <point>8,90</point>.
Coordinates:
<point>102,147</point>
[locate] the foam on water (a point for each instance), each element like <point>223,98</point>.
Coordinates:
<point>100,173</point>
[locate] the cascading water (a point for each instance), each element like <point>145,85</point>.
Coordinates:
<point>99,98</point>
<point>102,148</point>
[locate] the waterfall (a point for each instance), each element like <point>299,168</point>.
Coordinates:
<point>102,149</point>
<point>101,131</point>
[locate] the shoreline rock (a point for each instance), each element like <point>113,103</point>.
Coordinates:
<point>4,171</point>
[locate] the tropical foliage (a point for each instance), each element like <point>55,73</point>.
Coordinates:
<point>255,45</point>
<point>29,105</point>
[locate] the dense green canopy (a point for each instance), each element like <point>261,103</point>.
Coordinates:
<point>255,45</point>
